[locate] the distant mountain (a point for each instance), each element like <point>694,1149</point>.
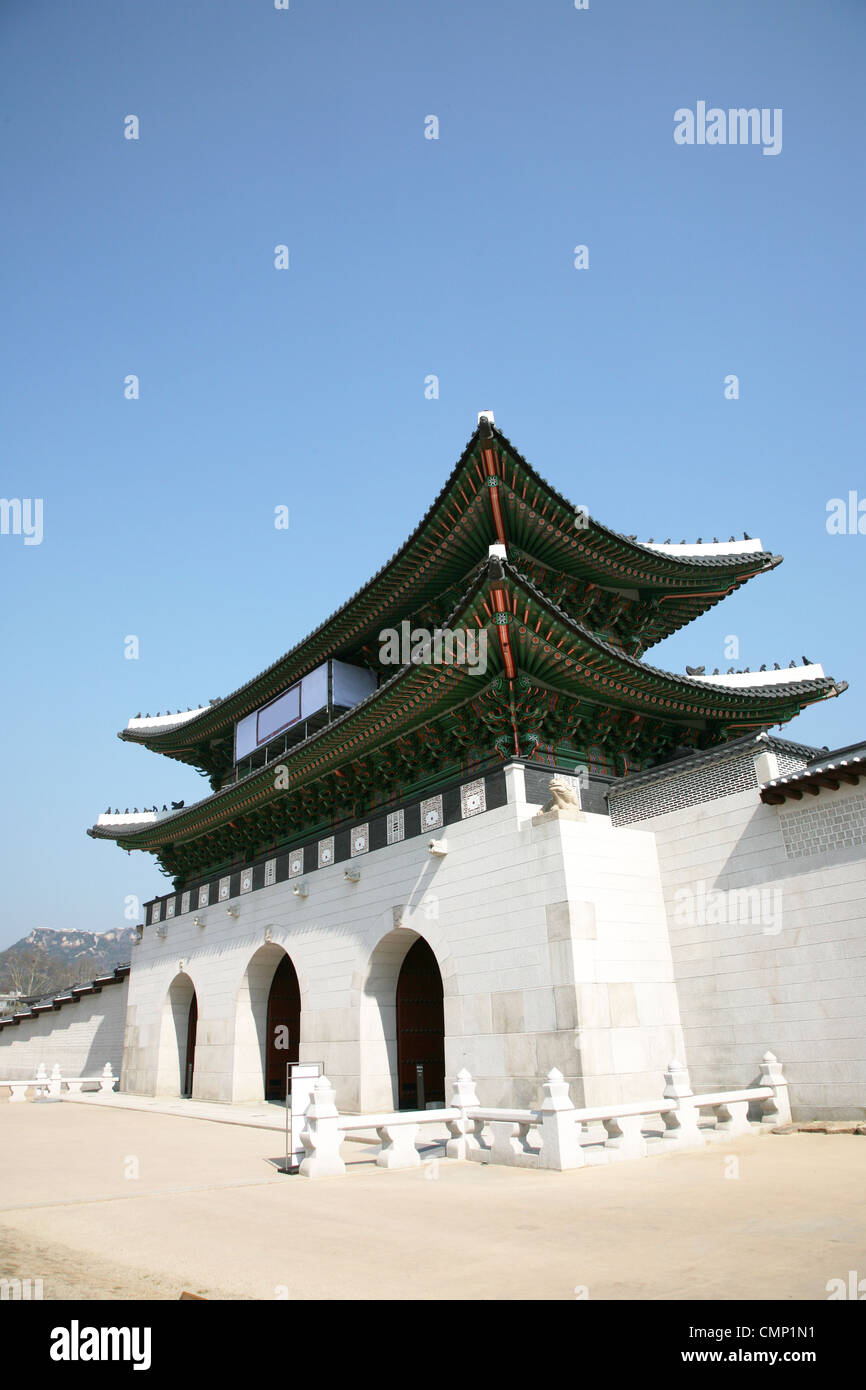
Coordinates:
<point>48,960</point>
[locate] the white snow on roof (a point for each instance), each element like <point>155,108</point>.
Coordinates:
<point>163,721</point>
<point>133,818</point>
<point>753,678</point>
<point>707,548</point>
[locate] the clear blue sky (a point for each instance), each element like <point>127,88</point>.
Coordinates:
<point>408,257</point>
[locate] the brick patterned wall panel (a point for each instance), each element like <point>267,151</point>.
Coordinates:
<point>790,763</point>
<point>831,823</point>
<point>689,789</point>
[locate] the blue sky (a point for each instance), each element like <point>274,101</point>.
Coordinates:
<point>408,257</point>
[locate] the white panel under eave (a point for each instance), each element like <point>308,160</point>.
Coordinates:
<point>314,691</point>
<point>352,684</point>
<point>245,736</point>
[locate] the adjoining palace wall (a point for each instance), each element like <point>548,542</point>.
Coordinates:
<point>766,908</point>
<point>81,1036</point>
<point>575,944</point>
<point>550,938</point>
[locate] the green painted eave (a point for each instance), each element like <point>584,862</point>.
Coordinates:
<point>451,539</point>
<point>552,653</point>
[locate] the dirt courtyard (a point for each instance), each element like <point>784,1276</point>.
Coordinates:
<point>103,1203</point>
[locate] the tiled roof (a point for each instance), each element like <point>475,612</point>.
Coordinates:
<point>830,770</point>
<point>50,1003</point>
<point>851,750</point>
<point>487,570</point>
<point>677,766</point>
<point>763,689</point>
<point>656,551</point>
<point>687,564</point>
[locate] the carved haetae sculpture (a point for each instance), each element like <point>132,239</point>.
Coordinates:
<point>564,803</point>
<point>562,796</point>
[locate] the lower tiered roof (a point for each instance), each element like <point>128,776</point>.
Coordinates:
<point>552,686</point>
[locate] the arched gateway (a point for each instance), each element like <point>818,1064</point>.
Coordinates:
<point>284,1028</point>
<point>177,1039</point>
<point>267,1025</point>
<point>402,1023</point>
<point>420,1029</point>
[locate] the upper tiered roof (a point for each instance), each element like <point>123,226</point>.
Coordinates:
<point>630,594</point>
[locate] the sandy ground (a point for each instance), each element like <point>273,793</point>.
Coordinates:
<point>121,1204</point>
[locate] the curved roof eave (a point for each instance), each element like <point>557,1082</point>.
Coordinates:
<point>655,551</point>
<point>489,572</point>
<point>759,692</point>
<point>213,719</point>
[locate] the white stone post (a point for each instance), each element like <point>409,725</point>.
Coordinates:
<point>56,1081</point>
<point>398,1146</point>
<point>515,785</point>
<point>41,1088</point>
<point>322,1136</point>
<point>464,1131</point>
<point>681,1125</point>
<point>509,1143</point>
<point>624,1137</point>
<point>107,1080</point>
<point>560,1145</point>
<point>732,1119</point>
<point>304,1077</point>
<point>776,1109</point>
<point>766,765</point>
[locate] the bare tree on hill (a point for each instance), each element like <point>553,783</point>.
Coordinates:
<point>28,972</point>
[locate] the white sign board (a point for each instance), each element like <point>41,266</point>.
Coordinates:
<point>351,685</point>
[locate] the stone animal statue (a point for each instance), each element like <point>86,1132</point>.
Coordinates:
<point>562,797</point>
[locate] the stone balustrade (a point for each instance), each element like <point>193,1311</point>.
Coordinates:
<point>398,1133</point>
<point>50,1087</point>
<point>557,1135</point>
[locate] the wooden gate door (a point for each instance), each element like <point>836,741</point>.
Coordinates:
<point>420,1027</point>
<point>191,1029</point>
<point>284,1028</point>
